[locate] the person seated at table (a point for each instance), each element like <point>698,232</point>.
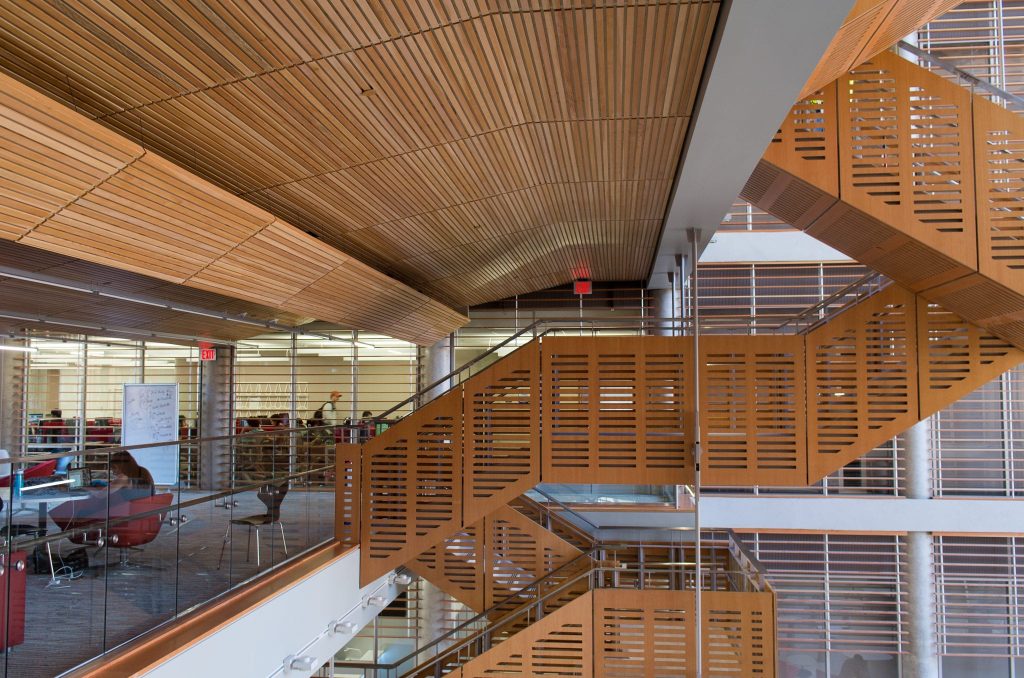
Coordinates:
<point>128,480</point>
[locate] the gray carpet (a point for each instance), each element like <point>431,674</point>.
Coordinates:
<point>75,620</point>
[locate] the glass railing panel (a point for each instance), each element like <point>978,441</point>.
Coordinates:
<point>204,560</point>
<point>105,562</point>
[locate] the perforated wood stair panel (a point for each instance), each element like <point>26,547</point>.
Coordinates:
<point>929,190</point>
<point>412,486</point>
<point>348,497</point>
<point>558,645</point>
<point>617,407</point>
<point>519,552</point>
<point>738,634</point>
<point>753,410</point>
<point>501,411</point>
<point>637,636</point>
<point>493,559</point>
<point>456,566</point>
<point>628,633</point>
<point>862,380</point>
<point>956,357</point>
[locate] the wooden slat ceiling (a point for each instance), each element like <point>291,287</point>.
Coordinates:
<point>73,187</point>
<point>474,149</point>
<point>872,26</point>
<point>73,307</point>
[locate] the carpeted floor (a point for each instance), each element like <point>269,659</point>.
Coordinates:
<point>74,620</point>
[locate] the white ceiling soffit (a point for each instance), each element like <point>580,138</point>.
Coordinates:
<point>768,247</point>
<point>764,55</point>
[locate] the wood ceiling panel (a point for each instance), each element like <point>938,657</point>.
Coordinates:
<point>871,27</point>
<point>346,116</point>
<point>141,213</point>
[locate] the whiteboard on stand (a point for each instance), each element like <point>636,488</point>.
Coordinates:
<point>150,415</point>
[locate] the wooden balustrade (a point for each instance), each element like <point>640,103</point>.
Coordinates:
<point>640,633</point>
<point>776,410</point>
<point>914,176</point>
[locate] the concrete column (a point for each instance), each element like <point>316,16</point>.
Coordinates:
<point>215,419</point>
<point>13,373</point>
<point>437,360</point>
<point>663,308</point>
<point>922,660</point>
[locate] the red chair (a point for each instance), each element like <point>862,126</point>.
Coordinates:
<point>132,534</point>
<point>90,517</point>
<point>87,514</point>
<point>43,469</point>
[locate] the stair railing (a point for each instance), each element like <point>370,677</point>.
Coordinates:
<point>481,628</point>
<point>972,80</point>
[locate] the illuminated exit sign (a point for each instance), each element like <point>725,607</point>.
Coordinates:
<point>206,354</point>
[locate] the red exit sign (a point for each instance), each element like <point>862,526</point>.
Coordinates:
<point>206,354</point>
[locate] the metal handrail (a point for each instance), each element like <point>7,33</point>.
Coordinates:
<point>484,616</point>
<point>476,635</point>
<point>974,80</point>
<point>832,298</point>
<point>106,522</point>
<point>564,507</point>
<point>640,322</point>
<point>36,458</point>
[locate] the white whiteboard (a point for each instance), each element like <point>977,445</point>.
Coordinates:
<point>150,415</point>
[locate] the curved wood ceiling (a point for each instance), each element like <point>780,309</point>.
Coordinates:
<point>70,186</point>
<point>475,150</point>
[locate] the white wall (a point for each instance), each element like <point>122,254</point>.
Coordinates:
<point>294,621</point>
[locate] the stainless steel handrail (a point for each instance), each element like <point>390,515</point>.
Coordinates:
<point>105,450</point>
<point>564,507</point>
<point>485,615</point>
<point>974,80</point>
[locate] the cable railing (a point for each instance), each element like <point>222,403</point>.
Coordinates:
<point>108,553</point>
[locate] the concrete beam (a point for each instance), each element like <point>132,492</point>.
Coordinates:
<point>764,54</point>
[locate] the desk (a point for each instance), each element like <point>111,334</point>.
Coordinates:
<point>43,498</point>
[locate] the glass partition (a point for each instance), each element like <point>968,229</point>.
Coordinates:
<point>95,558</point>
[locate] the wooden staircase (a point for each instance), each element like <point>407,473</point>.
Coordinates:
<point>914,176</point>
<point>776,410</point>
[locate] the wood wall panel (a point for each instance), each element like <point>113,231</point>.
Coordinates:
<point>862,386</point>
<point>501,411</point>
<point>74,188</point>
<point>753,410</point>
<point>348,495</point>
<point>617,407</point>
<point>399,130</point>
<point>559,644</point>
<point>412,486</point>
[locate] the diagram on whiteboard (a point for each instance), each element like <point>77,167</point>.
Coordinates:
<point>150,415</point>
